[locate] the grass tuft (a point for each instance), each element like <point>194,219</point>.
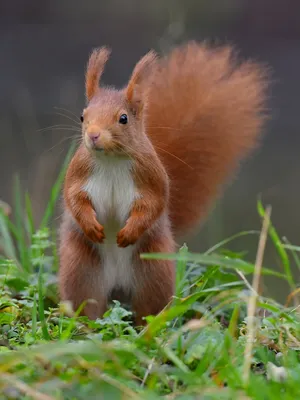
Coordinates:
<point>220,338</point>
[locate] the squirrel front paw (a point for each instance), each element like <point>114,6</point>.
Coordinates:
<point>94,232</point>
<point>127,237</point>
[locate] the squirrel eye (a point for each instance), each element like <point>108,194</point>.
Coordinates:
<point>81,118</point>
<point>123,119</point>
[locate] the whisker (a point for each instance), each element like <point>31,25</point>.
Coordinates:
<point>173,155</point>
<point>64,109</point>
<point>57,126</point>
<point>164,127</point>
<point>63,129</point>
<point>130,149</point>
<point>161,149</point>
<point>121,148</point>
<point>77,139</point>
<point>132,152</point>
<point>67,116</point>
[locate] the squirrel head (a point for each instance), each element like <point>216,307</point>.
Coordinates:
<point>112,120</point>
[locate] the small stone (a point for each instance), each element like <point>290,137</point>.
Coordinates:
<point>276,374</point>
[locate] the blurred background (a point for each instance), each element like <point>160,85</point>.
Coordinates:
<point>44,48</point>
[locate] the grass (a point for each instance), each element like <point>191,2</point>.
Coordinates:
<point>211,343</point>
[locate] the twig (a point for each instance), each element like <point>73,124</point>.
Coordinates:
<point>96,372</point>
<point>114,382</point>
<point>148,372</point>
<point>24,388</point>
<point>253,298</point>
<point>242,276</point>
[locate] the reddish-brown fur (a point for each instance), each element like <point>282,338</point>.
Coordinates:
<point>193,116</point>
<point>204,114</point>
<point>77,200</point>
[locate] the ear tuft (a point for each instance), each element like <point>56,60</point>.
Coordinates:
<point>141,72</point>
<point>95,68</point>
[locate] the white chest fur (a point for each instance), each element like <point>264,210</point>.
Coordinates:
<point>112,192</point>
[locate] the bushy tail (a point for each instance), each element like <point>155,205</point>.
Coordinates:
<point>204,114</point>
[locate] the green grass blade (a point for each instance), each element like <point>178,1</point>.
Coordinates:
<point>66,335</point>
<point>18,213</point>
<point>293,251</point>
<point>11,227</point>
<point>233,323</point>
<point>34,317</point>
<point>29,215</point>
<point>291,247</point>
<point>41,305</point>
<point>175,360</point>
<point>230,239</point>
<point>180,271</point>
<point>215,260</point>
<point>275,309</point>
<point>55,192</point>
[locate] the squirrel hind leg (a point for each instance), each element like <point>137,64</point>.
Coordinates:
<point>156,280</point>
<point>79,275</point>
<point>155,291</point>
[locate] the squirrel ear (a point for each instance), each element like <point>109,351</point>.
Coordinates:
<point>94,70</point>
<point>134,92</point>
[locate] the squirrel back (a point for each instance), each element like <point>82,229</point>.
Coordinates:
<point>204,114</point>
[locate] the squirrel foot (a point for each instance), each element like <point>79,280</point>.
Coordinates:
<point>127,237</point>
<point>94,232</point>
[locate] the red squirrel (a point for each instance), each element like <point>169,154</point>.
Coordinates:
<point>153,157</point>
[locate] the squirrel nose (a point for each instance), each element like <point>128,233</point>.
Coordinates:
<point>94,137</point>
